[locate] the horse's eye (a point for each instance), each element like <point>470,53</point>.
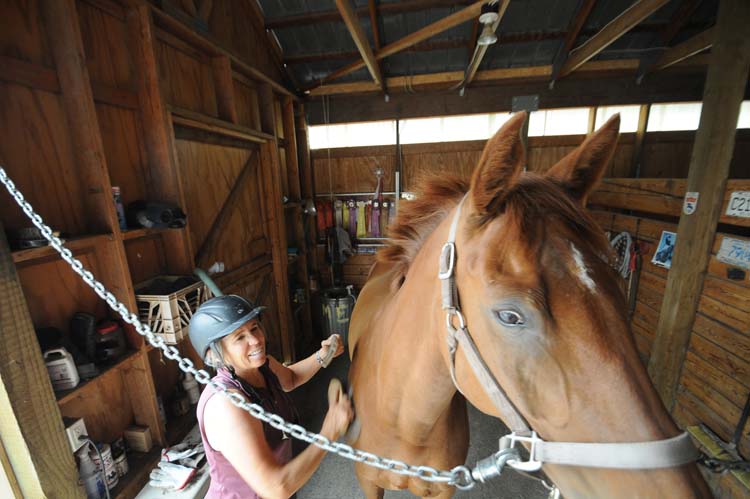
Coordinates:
<point>510,318</point>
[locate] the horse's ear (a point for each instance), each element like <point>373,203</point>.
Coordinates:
<point>500,165</point>
<point>581,170</point>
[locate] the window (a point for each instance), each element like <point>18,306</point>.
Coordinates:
<point>676,116</point>
<point>451,128</point>
<point>628,116</point>
<point>744,120</point>
<point>569,121</point>
<point>373,133</point>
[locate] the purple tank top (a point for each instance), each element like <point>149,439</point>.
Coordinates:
<point>226,482</point>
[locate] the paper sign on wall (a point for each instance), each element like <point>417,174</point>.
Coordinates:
<point>735,252</point>
<point>691,202</point>
<point>739,204</point>
<point>665,250</point>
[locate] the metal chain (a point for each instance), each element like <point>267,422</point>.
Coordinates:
<point>459,477</point>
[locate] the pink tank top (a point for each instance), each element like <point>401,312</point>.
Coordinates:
<point>226,482</point>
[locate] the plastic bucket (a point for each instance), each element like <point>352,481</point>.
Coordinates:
<point>337,305</point>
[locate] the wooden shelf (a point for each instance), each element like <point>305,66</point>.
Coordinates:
<point>73,244</point>
<point>143,232</point>
<point>198,121</point>
<point>64,396</point>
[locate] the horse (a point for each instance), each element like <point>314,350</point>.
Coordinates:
<point>544,308</point>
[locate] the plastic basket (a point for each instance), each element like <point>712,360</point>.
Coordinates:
<point>169,315</point>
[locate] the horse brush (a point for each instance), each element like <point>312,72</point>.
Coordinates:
<point>335,392</point>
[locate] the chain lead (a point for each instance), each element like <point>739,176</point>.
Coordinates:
<point>459,477</point>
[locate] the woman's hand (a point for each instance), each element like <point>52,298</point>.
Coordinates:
<point>340,411</point>
<point>326,344</point>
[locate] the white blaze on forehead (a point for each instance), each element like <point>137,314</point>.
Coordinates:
<point>581,270</point>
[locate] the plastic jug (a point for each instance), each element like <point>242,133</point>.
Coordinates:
<point>61,368</point>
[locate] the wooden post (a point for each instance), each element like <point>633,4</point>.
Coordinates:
<point>222,70</point>
<point>270,166</point>
<point>709,168</point>
<point>640,135</point>
<point>36,455</point>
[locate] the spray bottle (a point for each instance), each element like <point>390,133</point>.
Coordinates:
<point>93,481</point>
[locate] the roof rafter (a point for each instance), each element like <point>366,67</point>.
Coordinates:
<point>682,51</point>
<point>610,33</point>
<point>373,7</point>
<point>360,40</point>
<point>574,30</point>
<point>428,31</point>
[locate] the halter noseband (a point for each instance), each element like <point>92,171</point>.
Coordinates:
<point>666,453</point>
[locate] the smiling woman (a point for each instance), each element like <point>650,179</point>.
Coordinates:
<point>248,458</point>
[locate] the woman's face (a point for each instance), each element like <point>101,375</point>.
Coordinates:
<point>245,348</point>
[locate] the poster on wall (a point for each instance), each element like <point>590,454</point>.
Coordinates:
<point>665,250</point>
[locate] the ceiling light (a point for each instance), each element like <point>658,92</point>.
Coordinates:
<point>489,13</point>
<point>488,36</point>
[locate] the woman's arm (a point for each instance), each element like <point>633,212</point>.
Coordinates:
<point>300,373</point>
<point>239,436</point>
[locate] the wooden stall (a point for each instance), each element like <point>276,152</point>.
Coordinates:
<point>169,105</point>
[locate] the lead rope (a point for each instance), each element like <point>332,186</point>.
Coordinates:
<point>459,477</point>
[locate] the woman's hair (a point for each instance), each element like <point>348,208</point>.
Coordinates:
<point>215,355</point>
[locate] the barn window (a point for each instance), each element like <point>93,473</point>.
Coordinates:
<point>628,116</point>
<point>744,119</point>
<point>451,128</point>
<point>373,133</point>
<point>674,116</point>
<point>569,121</point>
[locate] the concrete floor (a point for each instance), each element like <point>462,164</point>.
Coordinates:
<point>335,478</point>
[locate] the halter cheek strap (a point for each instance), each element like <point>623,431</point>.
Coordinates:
<point>666,453</point>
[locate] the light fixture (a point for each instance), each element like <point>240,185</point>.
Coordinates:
<point>489,13</point>
<point>488,18</point>
<point>488,36</point>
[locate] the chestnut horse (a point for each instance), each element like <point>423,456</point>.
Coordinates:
<point>544,308</point>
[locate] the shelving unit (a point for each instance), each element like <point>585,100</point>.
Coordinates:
<point>129,96</point>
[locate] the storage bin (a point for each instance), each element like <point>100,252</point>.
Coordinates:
<point>169,314</point>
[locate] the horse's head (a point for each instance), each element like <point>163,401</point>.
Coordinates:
<point>549,318</point>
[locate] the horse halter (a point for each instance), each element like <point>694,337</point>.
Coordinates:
<point>666,453</point>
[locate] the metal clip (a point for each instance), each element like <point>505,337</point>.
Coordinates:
<point>509,442</point>
<point>447,260</point>
<point>454,312</point>
<point>492,466</point>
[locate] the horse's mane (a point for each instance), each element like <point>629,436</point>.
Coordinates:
<point>416,219</point>
<point>532,200</point>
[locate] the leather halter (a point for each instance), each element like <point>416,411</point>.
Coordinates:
<point>665,453</point>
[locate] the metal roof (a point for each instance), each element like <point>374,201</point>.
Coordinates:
<point>531,33</point>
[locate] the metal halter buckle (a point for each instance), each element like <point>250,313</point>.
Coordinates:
<point>509,442</point>
<point>447,257</point>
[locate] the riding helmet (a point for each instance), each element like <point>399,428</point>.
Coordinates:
<point>219,317</point>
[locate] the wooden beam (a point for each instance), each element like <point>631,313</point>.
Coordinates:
<point>610,33</point>
<point>383,9</point>
<point>429,31</point>
<point>274,215</point>
<point>605,89</point>
<point>225,213</point>
<point>709,168</point>
<point>222,70</point>
<point>574,30</point>
<point>32,436</point>
<point>688,48</point>
<point>490,76</point>
<point>480,50</point>
<point>360,40</point>
<point>373,8</point>
<point>640,135</point>
<point>185,117</point>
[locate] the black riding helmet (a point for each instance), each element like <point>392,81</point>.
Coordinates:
<point>219,317</point>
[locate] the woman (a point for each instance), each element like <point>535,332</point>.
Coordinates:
<point>249,458</point>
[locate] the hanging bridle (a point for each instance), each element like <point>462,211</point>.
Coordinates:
<point>666,453</point>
